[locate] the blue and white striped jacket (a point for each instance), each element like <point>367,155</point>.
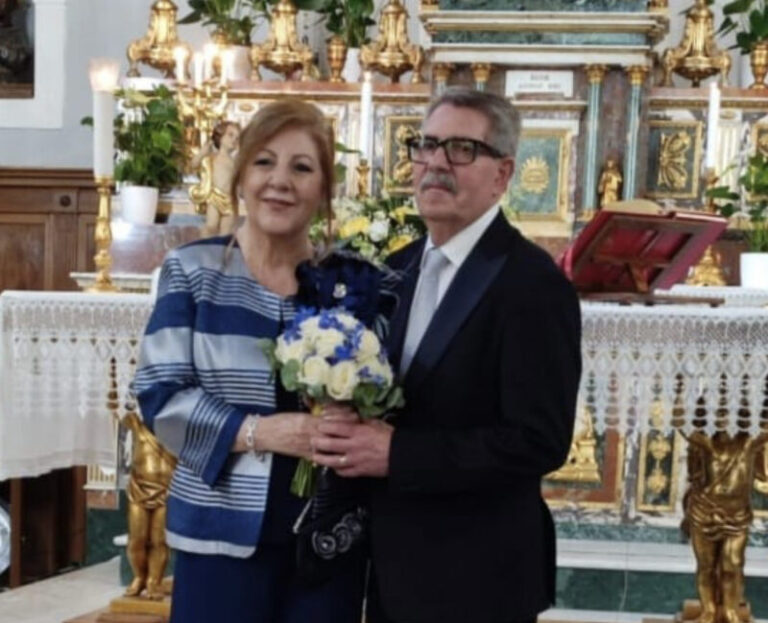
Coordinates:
<point>200,372</point>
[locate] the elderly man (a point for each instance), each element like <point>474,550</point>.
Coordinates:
<point>487,341</point>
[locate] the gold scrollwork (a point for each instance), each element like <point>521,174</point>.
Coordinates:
<point>673,155</point>
<point>398,169</point>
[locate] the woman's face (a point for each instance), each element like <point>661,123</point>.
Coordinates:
<point>229,138</point>
<point>282,185</point>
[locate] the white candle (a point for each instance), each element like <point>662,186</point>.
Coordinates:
<point>713,122</point>
<point>197,65</point>
<point>227,66</point>
<point>366,118</point>
<point>209,52</point>
<point>103,75</point>
<point>180,56</point>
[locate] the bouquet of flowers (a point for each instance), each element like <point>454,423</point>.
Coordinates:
<point>329,355</point>
<point>375,226</point>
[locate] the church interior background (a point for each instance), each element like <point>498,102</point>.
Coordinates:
<point>619,100</point>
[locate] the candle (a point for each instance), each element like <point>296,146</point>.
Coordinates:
<point>713,121</point>
<point>103,74</point>
<point>366,118</point>
<point>209,52</point>
<point>197,65</point>
<point>227,66</point>
<point>180,55</point>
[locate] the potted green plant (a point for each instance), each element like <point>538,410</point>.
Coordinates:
<point>750,207</point>
<point>347,21</point>
<point>749,18</point>
<point>149,139</point>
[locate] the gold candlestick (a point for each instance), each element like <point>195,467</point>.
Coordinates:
<point>204,105</point>
<point>156,47</point>
<point>392,54</point>
<point>103,238</point>
<point>708,272</point>
<point>282,52</point>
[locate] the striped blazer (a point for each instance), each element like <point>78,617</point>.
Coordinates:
<point>200,373</point>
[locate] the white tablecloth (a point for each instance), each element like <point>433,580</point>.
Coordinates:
<point>56,348</point>
<point>55,376</point>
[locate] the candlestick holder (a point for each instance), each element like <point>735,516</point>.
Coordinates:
<point>709,271</point>
<point>103,238</point>
<point>363,170</point>
<point>201,108</point>
<point>156,47</point>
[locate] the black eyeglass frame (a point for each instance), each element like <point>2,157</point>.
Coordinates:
<point>477,147</point>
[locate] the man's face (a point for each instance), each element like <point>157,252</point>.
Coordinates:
<point>452,196</point>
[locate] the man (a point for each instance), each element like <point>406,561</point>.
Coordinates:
<point>487,340</point>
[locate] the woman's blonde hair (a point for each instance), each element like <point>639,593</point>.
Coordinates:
<point>275,118</point>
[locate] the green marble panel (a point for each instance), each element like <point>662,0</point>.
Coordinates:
<point>539,38</point>
<point>567,529</point>
<point>570,6</point>
<point>635,591</point>
<point>538,156</point>
<point>102,526</point>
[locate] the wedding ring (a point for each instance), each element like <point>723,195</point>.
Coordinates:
<point>343,459</point>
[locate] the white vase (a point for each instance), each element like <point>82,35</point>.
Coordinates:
<point>241,62</point>
<point>351,71</point>
<point>754,270</point>
<point>139,204</point>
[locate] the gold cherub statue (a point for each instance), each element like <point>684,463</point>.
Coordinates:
<point>151,470</point>
<point>216,169</point>
<point>718,515</point>
<point>609,185</point>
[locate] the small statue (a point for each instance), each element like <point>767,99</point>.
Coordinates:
<point>216,169</point>
<point>609,185</point>
<point>402,170</point>
<point>151,470</point>
<point>718,515</point>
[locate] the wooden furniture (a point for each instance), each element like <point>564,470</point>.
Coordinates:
<point>46,231</point>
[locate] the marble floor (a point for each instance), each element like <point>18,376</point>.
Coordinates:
<point>78,592</point>
<point>64,596</point>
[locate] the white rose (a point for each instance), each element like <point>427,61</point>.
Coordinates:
<point>343,380</point>
<point>369,346</point>
<point>315,371</point>
<point>379,230</point>
<point>286,351</point>
<point>377,368</point>
<point>310,326</point>
<point>326,341</point>
<point>348,321</point>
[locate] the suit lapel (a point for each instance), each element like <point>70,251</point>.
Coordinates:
<point>467,288</point>
<point>405,291</point>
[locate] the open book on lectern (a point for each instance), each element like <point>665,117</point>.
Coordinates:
<point>636,247</point>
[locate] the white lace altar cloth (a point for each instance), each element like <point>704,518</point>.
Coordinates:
<point>687,367</point>
<point>56,375</point>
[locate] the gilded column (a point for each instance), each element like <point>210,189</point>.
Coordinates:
<point>440,74</point>
<point>595,75</point>
<point>637,75</point>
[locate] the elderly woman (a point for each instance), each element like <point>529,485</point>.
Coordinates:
<point>205,389</point>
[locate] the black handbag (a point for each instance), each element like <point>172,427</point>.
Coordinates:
<point>332,530</point>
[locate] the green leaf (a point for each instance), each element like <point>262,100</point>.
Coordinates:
<point>87,121</point>
<point>289,375</point>
<point>737,6</point>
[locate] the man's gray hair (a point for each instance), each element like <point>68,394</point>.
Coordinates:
<point>503,119</point>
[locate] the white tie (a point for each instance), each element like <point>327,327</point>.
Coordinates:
<point>423,305</point>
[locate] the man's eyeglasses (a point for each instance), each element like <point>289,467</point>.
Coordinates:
<point>457,150</point>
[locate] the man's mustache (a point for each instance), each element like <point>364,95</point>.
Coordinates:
<point>438,179</point>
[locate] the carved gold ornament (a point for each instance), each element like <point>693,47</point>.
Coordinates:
<point>282,52</point>
<point>156,47</point>
<point>581,464</point>
<point>392,54</point>
<point>673,160</point>
<point>534,176</point>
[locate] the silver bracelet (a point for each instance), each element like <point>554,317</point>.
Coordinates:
<point>251,421</point>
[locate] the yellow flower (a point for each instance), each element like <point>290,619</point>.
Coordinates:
<point>354,226</point>
<point>403,211</point>
<point>398,242</point>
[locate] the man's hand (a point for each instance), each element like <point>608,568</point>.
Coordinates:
<point>353,449</point>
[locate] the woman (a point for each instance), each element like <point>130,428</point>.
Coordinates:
<point>204,387</point>
<point>216,169</point>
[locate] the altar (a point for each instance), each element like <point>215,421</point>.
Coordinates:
<point>649,372</point>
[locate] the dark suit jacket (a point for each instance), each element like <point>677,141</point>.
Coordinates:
<point>460,532</point>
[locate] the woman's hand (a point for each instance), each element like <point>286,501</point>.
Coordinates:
<point>283,433</point>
